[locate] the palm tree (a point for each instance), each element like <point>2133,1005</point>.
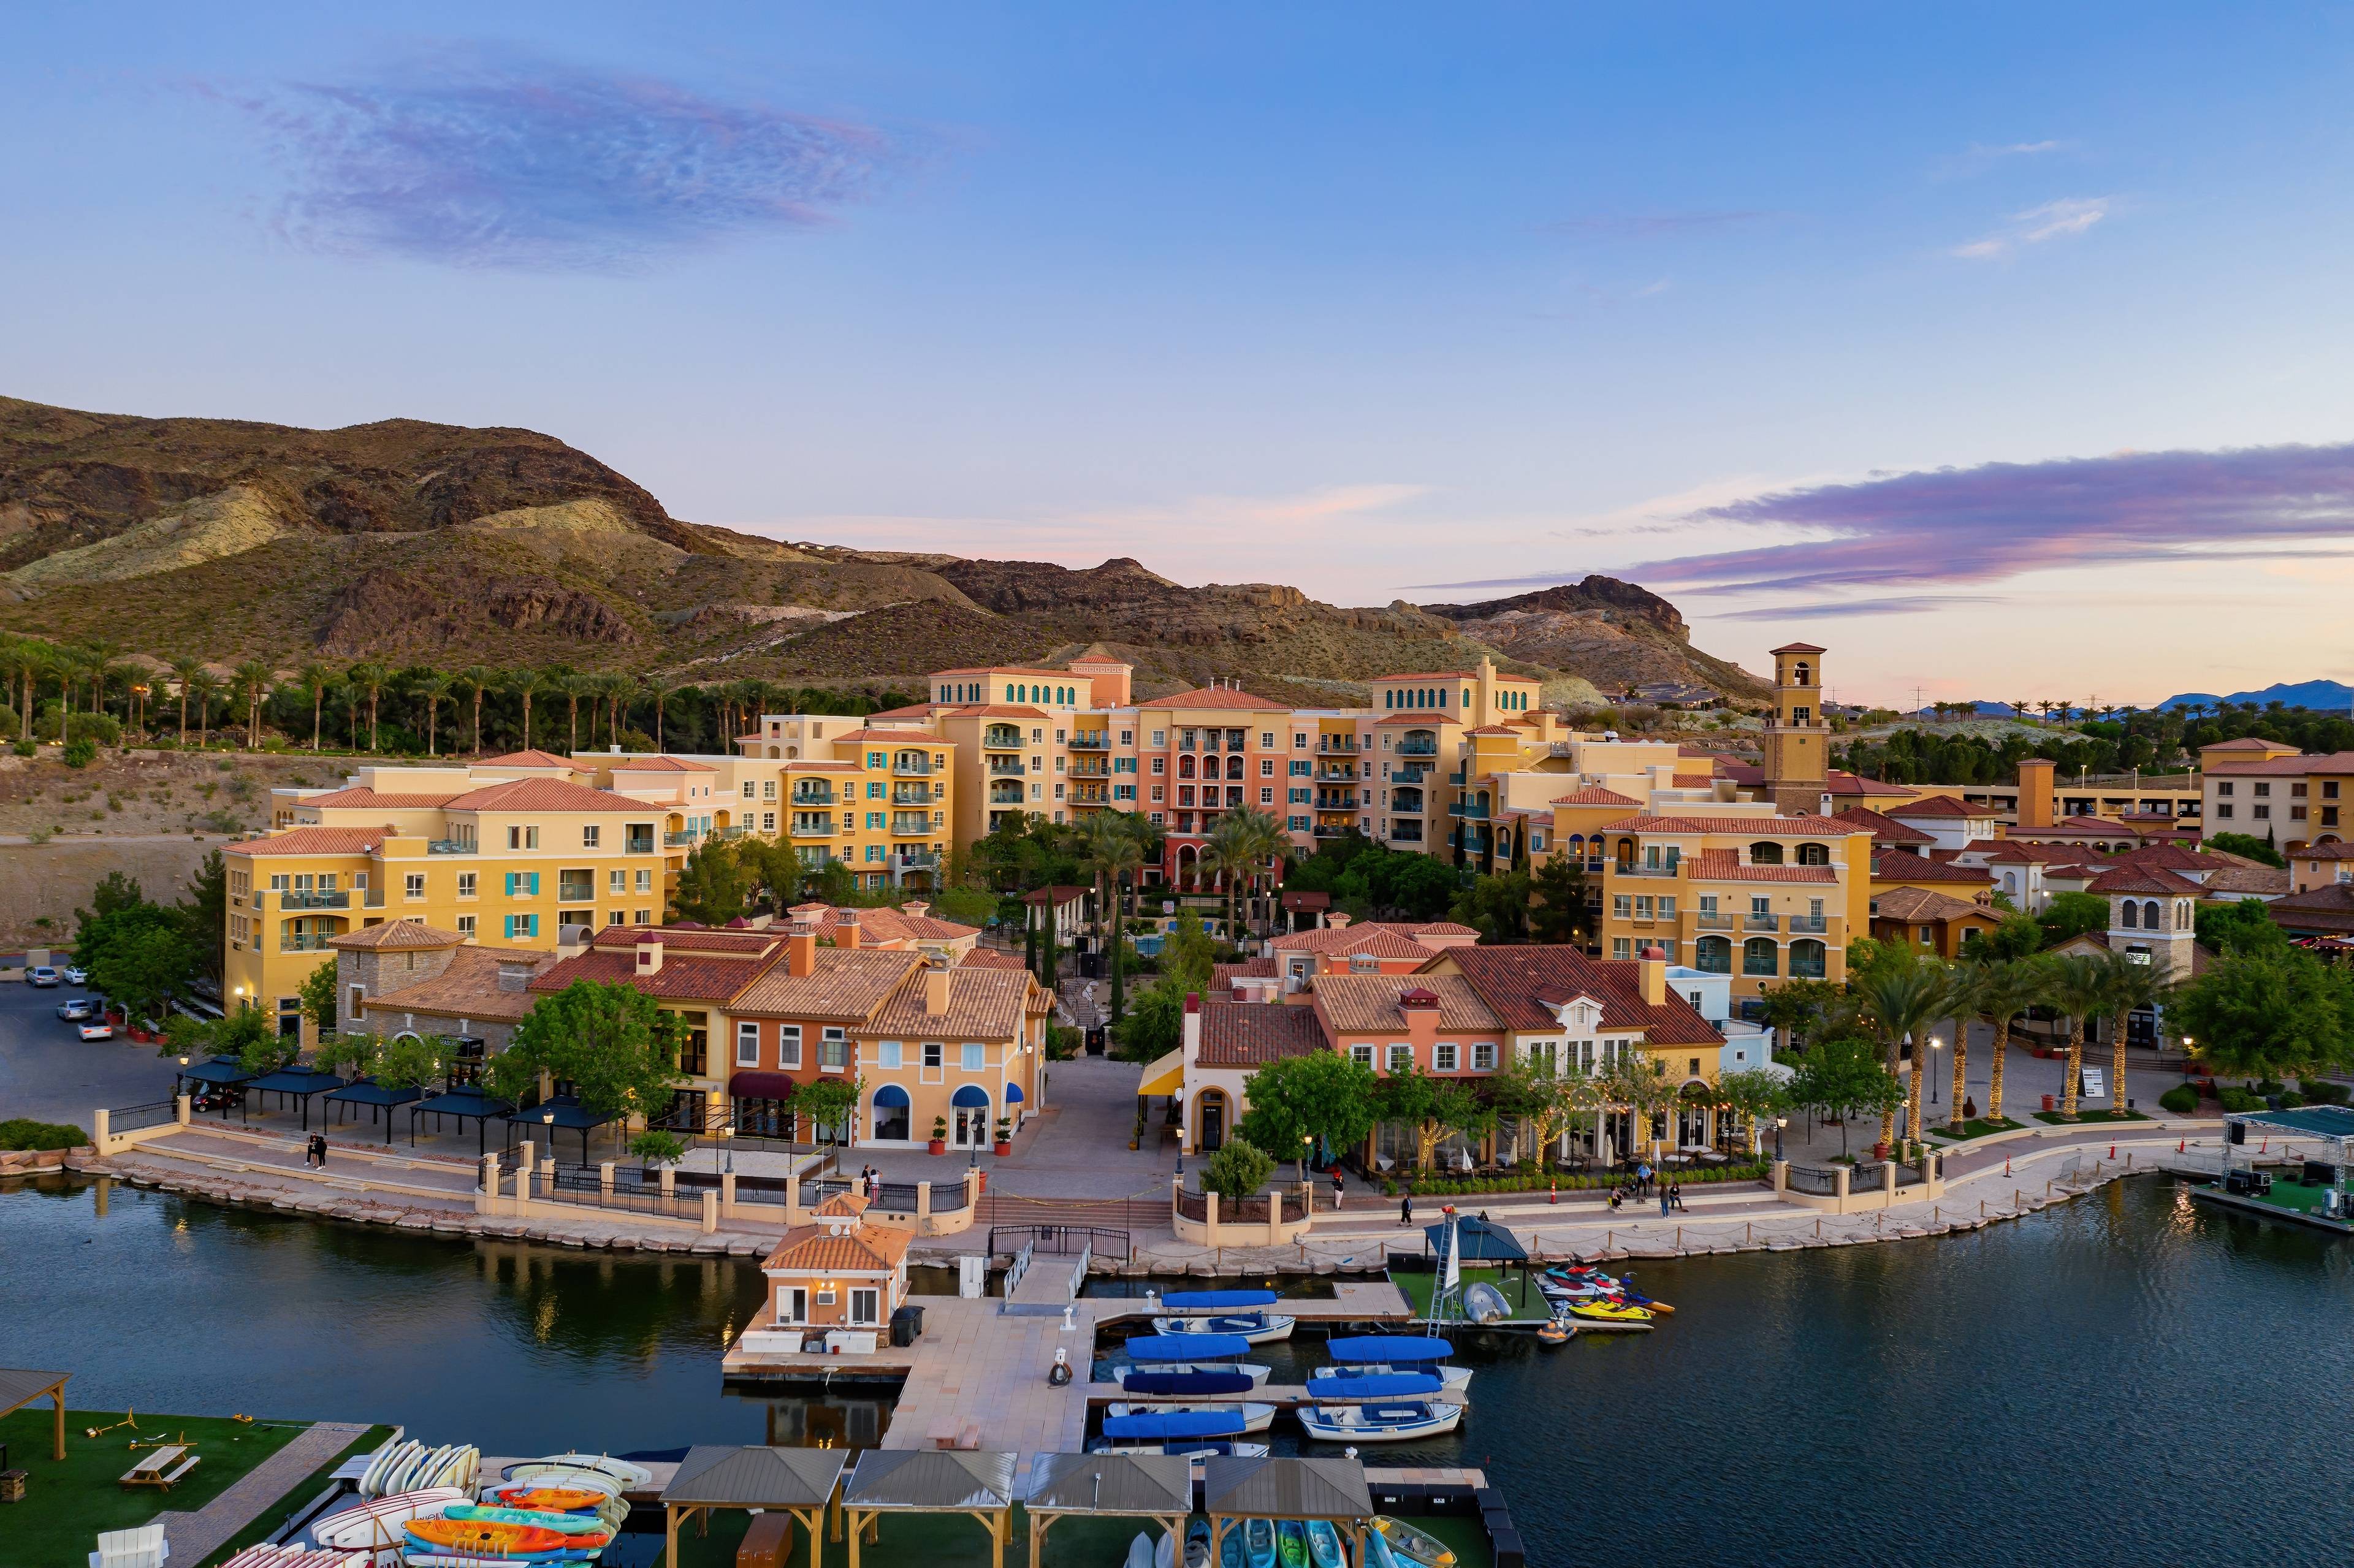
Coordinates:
<point>433,686</point>
<point>575,686</point>
<point>27,661</point>
<point>2132,984</point>
<point>1902,999</point>
<point>1114,850</point>
<point>524,682</point>
<point>477,679</point>
<point>658,690</point>
<point>616,690</point>
<point>185,668</point>
<point>316,677</point>
<point>252,678</point>
<point>1999,991</point>
<point>1226,854</point>
<point>204,686</point>
<point>2079,989</point>
<point>369,676</point>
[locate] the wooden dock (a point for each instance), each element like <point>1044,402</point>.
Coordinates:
<point>978,1376</point>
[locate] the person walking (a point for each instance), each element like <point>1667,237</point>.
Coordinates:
<point>1405,1209</point>
<point>1337,1193</point>
<point>1663,1200</point>
<point>1643,1179</point>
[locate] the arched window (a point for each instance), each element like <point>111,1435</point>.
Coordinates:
<point>1713,955</point>
<point>2009,882</point>
<point>1764,852</point>
<point>1814,854</point>
<point>2133,915</point>
<point>891,1113</point>
<point>1234,767</point>
<point>1807,959</point>
<point>1185,764</point>
<point>1799,672</point>
<point>1758,957</point>
<point>2149,916</point>
<point>1626,851</point>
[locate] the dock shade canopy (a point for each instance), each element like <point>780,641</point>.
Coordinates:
<point>300,1082</point>
<point>19,1386</point>
<point>931,1480</point>
<point>1152,1348</point>
<point>1145,1484</point>
<point>1287,1488</point>
<point>1375,1385</point>
<point>1387,1350</point>
<point>376,1098</point>
<point>1192,1383</point>
<point>564,1111</point>
<point>1216,1300</point>
<point>465,1104</point>
<point>1173,1424</point>
<point>2309,1121</point>
<point>723,1476</point>
<point>1482,1241</point>
<point>221,1071</point>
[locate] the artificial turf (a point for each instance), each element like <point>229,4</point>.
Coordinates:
<point>2056,1119</point>
<point>67,1503</point>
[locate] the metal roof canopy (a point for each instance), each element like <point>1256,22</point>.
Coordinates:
<point>1482,1241</point>
<point>20,1386</point>
<point>1287,1488</point>
<point>560,1110</point>
<point>376,1098</point>
<point>2336,1122</point>
<point>465,1104</point>
<point>798,1481</point>
<point>225,1072</point>
<point>301,1083</point>
<point>930,1480</point>
<point>1159,1487</point>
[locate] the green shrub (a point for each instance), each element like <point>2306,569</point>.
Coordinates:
<point>81,752</point>
<point>26,747</point>
<point>2181,1100</point>
<point>23,1133</point>
<point>2290,1099</point>
<point>2321,1091</point>
<point>2241,1101</point>
<point>104,728</point>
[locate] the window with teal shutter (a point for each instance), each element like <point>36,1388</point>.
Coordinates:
<point>511,887</point>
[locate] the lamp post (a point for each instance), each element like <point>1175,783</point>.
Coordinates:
<point>1936,1045</point>
<point>547,1120</point>
<point>727,1142</point>
<point>1779,1123</point>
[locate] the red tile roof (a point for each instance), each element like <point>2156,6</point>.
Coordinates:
<point>859,1249</point>
<point>359,797</point>
<point>1365,1004</point>
<point>542,795</point>
<point>1376,941</point>
<point>1595,795</point>
<point>2142,879</point>
<point>1885,829</point>
<point>1918,906</point>
<point>1429,720</point>
<point>1223,976</point>
<point>1252,1034</point>
<point>1724,865</point>
<point>398,935</point>
<point>1753,827</point>
<point>999,669</point>
<point>1218,698</point>
<point>684,977</point>
<point>1941,805</point>
<point>659,765</point>
<point>2334,851</point>
<point>686,939</point>
<point>917,737</point>
<point>310,841</point>
<point>532,758</point>
<point>917,710</point>
<point>1797,648</point>
<point>1513,982</point>
<point>1902,866</point>
<point>983,1004</point>
<point>989,959</point>
<point>2334,762</point>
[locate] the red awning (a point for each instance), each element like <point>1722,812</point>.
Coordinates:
<point>751,1086</point>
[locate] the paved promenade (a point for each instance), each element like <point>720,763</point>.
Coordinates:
<point>197,1536</point>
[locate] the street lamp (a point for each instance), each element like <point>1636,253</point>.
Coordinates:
<point>1779,1123</point>
<point>1936,1045</point>
<point>727,1142</point>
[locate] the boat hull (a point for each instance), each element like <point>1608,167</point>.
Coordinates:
<point>1377,1424</point>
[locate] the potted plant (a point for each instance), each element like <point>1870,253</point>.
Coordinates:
<point>939,1144</point>
<point>1004,1136</point>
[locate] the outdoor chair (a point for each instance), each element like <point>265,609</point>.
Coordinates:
<point>142,1548</point>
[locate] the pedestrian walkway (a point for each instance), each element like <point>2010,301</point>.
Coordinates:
<point>197,1536</point>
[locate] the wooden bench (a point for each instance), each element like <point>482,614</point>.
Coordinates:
<point>162,1468</point>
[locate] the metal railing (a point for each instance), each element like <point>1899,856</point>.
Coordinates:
<point>1711,920</point>
<point>1632,868</point>
<point>1020,1266</point>
<point>1059,1240</point>
<point>1868,1176</point>
<point>1760,922</point>
<point>1475,812</point>
<point>1417,749</point>
<point>689,837</point>
<point>812,798</point>
<point>1192,1205</point>
<point>1815,924</point>
<point>314,944</point>
<point>334,900</point>
<point>1913,1173</point>
<point>906,768</point>
<point>569,1184</point>
<point>1814,1181</point>
<point>451,846</point>
<point>1090,740</point>
<point>951,1197</point>
<point>131,1119</point>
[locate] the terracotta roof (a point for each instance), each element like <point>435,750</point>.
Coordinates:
<point>310,841</point>
<point>859,1249</point>
<point>846,983</point>
<point>532,758</point>
<point>998,670</point>
<point>687,938</point>
<point>1430,718</point>
<point>2335,849</point>
<point>1513,982</point>
<point>1442,675</point>
<point>990,959</point>
<point>1364,1004</point>
<point>1223,976</point>
<point>1495,730</point>
<point>1218,698</point>
<point>394,934</point>
<point>469,988</point>
<point>1918,906</point>
<point>1060,894</point>
<point>1252,1034</point>
<point>999,710</point>
<point>658,765</point>
<point>2334,762</point>
<point>1903,865</point>
<point>2141,879</point>
<point>1941,805</point>
<point>1419,928</point>
<point>2328,907</point>
<point>919,710</point>
<point>1595,795</point>
<point>2172,856</point>
<point>1885,829</point>
<point>1753,827</point>
<point>1378,941</point>
<point>1307,900</point>
<point>1797,648</point>
<point>359,796</point>
<point>2015,850</point>
<point>919,738</point>
<point>1843,783</point>
<point>983,1004</point>
<point>2245,742</point>
<point>542,795</point>
<point>684,977</point>
<point>2255,881</point>
<point>1724,865</point>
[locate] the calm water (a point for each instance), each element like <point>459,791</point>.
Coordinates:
<point>2052,1390</point>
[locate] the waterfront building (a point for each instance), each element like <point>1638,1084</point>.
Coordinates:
<point>962,1048</point>
<point>840,1273</point>
<point>791,1026</point>
<point>406,979</point>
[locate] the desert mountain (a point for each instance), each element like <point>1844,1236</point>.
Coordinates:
<point>422,543</point>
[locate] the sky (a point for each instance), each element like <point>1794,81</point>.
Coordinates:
<point>2000,349</point>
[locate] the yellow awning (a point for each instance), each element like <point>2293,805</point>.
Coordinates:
<point>1165,1076</point>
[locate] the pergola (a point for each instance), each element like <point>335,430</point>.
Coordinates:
<point>798,1481</point>
<point>1271,1488</point>
<point>297,1082</point>
<point>19,1386</point>
<point>467,1104</point>
<point>375,1096</point>
<point>931,1480</point>
<point>561,1111</point>
<point>1157,1486</point>
<point>219,1073</point>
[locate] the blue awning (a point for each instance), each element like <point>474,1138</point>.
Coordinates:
<point>1190,1383</point>
<point>369,1092</point>
<point>969,1097</point>
<point>1013,1094</point>
<point>890,1094</point>
<point>1174,1423</point>
<point>224,1071</point>
<point>297,1081</point>
<point>1387,1350</point>
<point>1216,1300</point>
<point>1375,1385</point>
<point>1147,1348</point>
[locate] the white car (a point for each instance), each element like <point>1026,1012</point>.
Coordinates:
<point>75,974</point>
<point>95,1029</point>
<point>41,975</point>
<point>73,1010</point>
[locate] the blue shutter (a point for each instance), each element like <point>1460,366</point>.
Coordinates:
<point>511,886</point>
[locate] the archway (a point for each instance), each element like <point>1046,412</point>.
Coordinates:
<point>892,1116</point>
<point>969,1120</point>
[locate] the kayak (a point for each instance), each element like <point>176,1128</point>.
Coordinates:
<point>557,1499</point>
<point>563,1523</point>
<point>1377,1553</point>
<point>1412,1547</point>
<point>1139,1552</point>
<point>1291,1543</point>
<point>495,1540</point>
<point>378,1521</point>
<point>1324,1544</point>
<point>1258,1543</point>
<point>1197,1542</point>
<point>1230,1550</point>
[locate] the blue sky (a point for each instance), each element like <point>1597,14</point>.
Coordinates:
<point>1376,300</point>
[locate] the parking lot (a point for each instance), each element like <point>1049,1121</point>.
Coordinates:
<point>48,1075</point>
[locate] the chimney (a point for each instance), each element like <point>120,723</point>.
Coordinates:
<point>845,929</point>
<point>1655,977</point>
<point>935,987</point>
<point>516,979</point>
<point>1190,1039</point>
<point>650,954</point>
<point>1336,919</point>
<point>914,907</point>
<point>1419,1006</point>
<point>2036,805</point>
<point>801,950</point>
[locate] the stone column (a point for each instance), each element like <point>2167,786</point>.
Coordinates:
<point>486,1196</point>
<point>1887,1183</point>
<point>605,1182</point>
<point>728,1193</point>
<point>792,1201</point>
<point>182,1106</point>
<point>1781,1177</point>
<point>1843,1175</point>
<point>710,1211</point>
<point>1274,1215</point>
<point>667,1177</point>
<point>1210,1214</point>
<point>102,1133</point>
<point>923,1207</point>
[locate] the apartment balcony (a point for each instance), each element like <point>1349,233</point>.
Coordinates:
<point>675,841</point>
<point>1000,795</point>
<point>803,796</point>
<point>639,843</point>
<point>1336,802</point>
<point>1003,769</point>
<point>911,795</point>
<point>1085,795</point>
<point>909,765</point>
<point>1469,810</point>
<point>817,826</point>
<point>1000,737</point>
<point>1456,778</point>
<point>1413,773</point>
<point>1810,924</point>
<point>1710,920</point>
<point>1406,802</point>
<point>1091,767</point>
<point>916,860</point>
<point>336,900</point>
<point>1625,868</point>
<point>1405,833</point>
<point>313,943</point>
<point>1760,922</point>
<point>375,900</point>
<point>1090,739</point>
<point>1334,830</point>
<point>1412,747</point>
<point>450,846</point>
<point>910,824</point>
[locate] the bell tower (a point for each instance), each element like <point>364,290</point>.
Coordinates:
<point>1797,741</point>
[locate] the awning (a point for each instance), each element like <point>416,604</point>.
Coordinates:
<point>1377,1385</point>
<point>751,1086</point>
<point>1014,1095</point>
<point>1165,1076</point>
<point>1387,1350</point>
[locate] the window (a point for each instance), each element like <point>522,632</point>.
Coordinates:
<point>1266,797</point>
<point>2223,810</point>
<point>2223,789</point>
<point>1667,903</point>
<point>970,1057</point>
<point>1361,1055</point>
<point>888,1053</point>
<point>1764,852</point>
<point>466,883</point>
<point>590,834</point>
<point>1758,957</point>
<point>413,884</point>
<point>645,916</point>
<point>465,925</point>
<point>1622,906</point>
<point>1814,854</point>
<point>576,886</point>
<point>934,1054</point>
<point>862,1306</point>
<point>645,884</point>
<point>2263,790</point>
<point>789,1045</point>
<point>832,1051</point>
<point>748,788</point>
<point>1159,737</point>
<point>2261,812</point>
<point>1442,1056</point>
<point>768,822</point>
<point>522,927</point>
<point>1401,1058</point>
<point>1622,947</point>
<point>1160,766</point>
<point>523,884</point>
<point>747,1044</point>
<point>523,838</point>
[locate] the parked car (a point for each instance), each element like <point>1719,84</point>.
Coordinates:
<point>73,1010</point>
<point>41,975</point>
<point>95,1029</point>
<point>75,974</point>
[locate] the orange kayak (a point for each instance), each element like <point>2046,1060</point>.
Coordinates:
<point>556,1499</point>
<point>496,1540</point>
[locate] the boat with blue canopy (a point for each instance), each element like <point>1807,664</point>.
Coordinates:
<point>1339,1384</point>
<point>1152,1349</point>
<point>1217,1300</point>
<point>1196,1381</point>
<point>1164,1426</point>
<point>1258,1328</point>
<point>1388,1350</point>
<point>1253,1416</point>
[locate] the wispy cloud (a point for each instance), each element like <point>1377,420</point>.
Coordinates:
<point>1834,609</point>
<point>476,159</point>
<point>2059,219</point>
<point>1660,225</point>
<point>1980,156</point>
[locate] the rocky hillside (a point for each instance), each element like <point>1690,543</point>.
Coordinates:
<point>421,542</point>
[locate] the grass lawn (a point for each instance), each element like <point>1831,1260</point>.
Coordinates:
<point>1978,1128</point>
<point>67,1504</point>
<point>944,1541</point>
<point>1418,1286</point>
<point>311,1486</point>
<point>2056,1119</point>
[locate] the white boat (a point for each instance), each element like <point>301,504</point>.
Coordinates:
<point>1258,1328</point>
<point>1198,1449</point>
<point>1451,1379</point>
<point>1400,1423</point>
<point>631,1477</point>
<point>1254,1418</point>
<point>1258,1372</point>
<point>377,1522</point>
